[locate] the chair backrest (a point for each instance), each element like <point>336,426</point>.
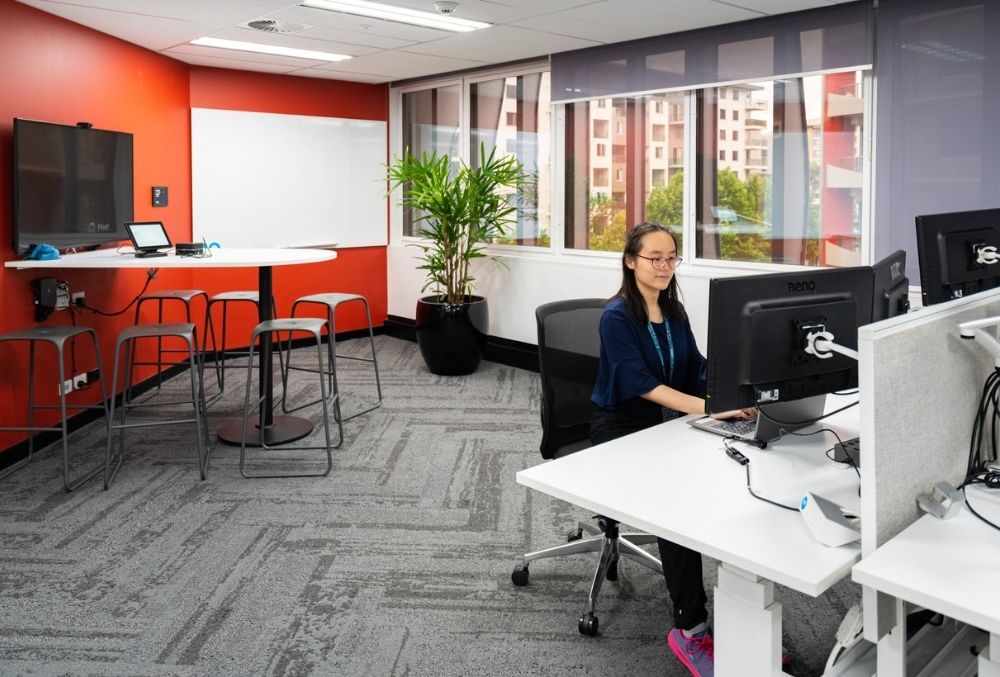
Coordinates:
<point>569,350</point>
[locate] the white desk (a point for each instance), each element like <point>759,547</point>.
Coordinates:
<point>949,566</point>
<point>277,429</point>
<point>677,483</point>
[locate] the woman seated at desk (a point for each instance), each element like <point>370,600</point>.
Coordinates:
<point>651,371</point>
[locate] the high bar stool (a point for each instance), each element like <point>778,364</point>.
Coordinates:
<point>331,301</point>
<point>127,340</point>
<point>186,297</point>
<point>225,298</point>
<point>57,337</point>
<point>314,327</point>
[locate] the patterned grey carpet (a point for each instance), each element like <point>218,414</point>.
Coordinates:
<point>396,564</point>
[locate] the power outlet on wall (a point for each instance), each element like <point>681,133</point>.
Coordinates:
<point>79,299</point>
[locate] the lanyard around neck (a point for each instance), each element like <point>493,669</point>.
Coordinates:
<point>659,352</point>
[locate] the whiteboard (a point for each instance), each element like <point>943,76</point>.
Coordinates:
<point>273,180</point>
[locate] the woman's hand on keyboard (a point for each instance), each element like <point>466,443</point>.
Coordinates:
<point>743,414</point>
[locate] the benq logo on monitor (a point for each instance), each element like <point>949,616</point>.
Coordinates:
<point>799,287</point>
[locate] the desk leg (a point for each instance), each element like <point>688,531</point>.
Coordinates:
<point>277,429</point>
<point>989,660</point>
<point>747,625</point>
<point>891,658</point>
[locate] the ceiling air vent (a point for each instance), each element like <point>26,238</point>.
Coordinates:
<point>275,26</point>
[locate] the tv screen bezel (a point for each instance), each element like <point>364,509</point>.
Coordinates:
<point>23,235</point>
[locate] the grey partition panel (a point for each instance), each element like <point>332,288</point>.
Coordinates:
<point>920,385</point>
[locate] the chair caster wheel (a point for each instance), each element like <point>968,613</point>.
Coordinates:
<point>574,535</point>
<point>588,625</point>
<point>519,576</point>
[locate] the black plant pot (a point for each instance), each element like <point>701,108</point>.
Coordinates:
<point>452,337</point>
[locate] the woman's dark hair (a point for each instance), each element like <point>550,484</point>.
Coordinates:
<point>669,299</point>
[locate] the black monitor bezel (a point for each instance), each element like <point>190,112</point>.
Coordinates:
<point>938,283</point>
<point>733,302</point>
<point>166,236</point>
<point>891,293</point>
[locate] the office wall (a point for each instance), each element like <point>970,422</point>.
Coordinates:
<point>55,70</point>
<point>362,270</point>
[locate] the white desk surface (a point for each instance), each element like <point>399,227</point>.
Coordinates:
<point>221,258</point>
<point>677,483</point>
<point>949,566</point>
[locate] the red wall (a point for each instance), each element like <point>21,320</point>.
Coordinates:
<point>54,70</point>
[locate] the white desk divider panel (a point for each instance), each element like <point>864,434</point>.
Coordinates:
<point>920,385</point>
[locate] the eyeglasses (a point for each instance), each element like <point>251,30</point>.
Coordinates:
<point>661,263</point>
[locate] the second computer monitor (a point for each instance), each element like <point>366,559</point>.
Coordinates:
<point>758,331</point>
<point>959,254</point>
<point>891,296</point>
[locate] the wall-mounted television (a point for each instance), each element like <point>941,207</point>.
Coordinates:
<point>72,185</point>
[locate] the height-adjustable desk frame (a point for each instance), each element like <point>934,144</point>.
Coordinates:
<point>677,483</point>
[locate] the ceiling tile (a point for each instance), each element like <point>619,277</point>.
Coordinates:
<point>657,17</point>
<point>349,77</point>
<point>297,40</point>
<point>782,6</point>
<point>501,43</point>
<point>236,64</point>
<point>252,57</point>
<point>217,12</point>
<point>411,66</point>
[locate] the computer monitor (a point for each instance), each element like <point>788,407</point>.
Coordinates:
<point>148,238</point>
<point>891,296</point>
<point>958,254</point>
<point>757,335</point>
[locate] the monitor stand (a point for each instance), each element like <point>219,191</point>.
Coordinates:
<point>149,254</point>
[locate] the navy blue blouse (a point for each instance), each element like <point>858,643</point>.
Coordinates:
<point>630,364</point>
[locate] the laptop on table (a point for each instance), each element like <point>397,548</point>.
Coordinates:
<point>795,414</point>
<point>148,238</point>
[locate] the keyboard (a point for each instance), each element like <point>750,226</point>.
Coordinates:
<point>738,427</point>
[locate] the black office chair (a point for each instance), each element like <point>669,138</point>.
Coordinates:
<point>569,347</point>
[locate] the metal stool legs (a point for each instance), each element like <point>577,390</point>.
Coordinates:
<point>57,337</point>
<point>331,302</point>
<point>185,297</point>
<point>126,340</point>
<point>219,349</point>
<point>313,327</point>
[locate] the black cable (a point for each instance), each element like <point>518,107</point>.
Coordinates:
<point>746,464</point>
<point>992,481</point>
<point>150,274</point>
<point>799,424</point>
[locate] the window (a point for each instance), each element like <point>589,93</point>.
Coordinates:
<point>722,113</point>
<point>658,107</point>
<point>722,135</point>
<point>601,150</point>
<point>619,127</point>
<point>596,218</point>
<point>799,204</point>
<point>600,129</point>
<point>511,114</point>
<point>736,115</point>
<point>430,123</point>
<point>522,101</point>
<point>736,135</point>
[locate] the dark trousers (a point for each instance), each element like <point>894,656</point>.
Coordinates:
<point>681,566</point>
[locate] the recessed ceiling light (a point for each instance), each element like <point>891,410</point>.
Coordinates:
<point>377,10</point>
<point>241,46</point>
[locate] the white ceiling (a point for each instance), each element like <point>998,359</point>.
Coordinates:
<point>384,51</point>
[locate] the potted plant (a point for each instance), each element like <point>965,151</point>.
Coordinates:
<point>459,211</point>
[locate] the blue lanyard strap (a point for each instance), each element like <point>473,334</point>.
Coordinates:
<point>659,352</point>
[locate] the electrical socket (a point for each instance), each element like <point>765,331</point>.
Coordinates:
<point>79,299</point>
<point>66,387</point>
<point>79,381</point>
<point>62,300</point>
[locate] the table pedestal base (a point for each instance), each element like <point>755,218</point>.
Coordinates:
<point>283,429</point>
